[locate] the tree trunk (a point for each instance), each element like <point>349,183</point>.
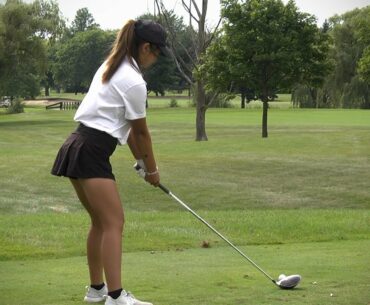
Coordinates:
<point>47,91</point>
<point>313,92</point>
<point>264,117</point>
<point>201,112</point>
<point>243,100</point>
<point>366,103</point>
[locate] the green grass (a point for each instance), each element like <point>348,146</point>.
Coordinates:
<point>322,164</point>
<point>204,276</point>
<point>182,99</point>
<point>303,192</point>
<point>59,235</point>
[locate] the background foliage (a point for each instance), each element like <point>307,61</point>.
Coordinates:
<point>44,52</point>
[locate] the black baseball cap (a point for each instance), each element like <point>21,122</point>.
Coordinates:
<point>153,33</point>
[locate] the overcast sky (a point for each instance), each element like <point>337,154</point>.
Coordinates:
<point>111,14</point>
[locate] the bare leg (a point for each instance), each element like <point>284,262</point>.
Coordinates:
<point>105,204</point>
<point>94,239</point>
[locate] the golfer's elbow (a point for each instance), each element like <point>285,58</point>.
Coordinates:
<point>139,129</point>
<point>141,135</point>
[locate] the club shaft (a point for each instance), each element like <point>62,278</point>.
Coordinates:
<point>167,191</point>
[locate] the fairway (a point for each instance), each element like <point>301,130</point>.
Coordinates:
<point>205,276</point>
<point>296,202</point>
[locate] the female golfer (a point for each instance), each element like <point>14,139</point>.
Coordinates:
<point>113,112</point>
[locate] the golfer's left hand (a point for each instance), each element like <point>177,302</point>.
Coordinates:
<point>153,178</point>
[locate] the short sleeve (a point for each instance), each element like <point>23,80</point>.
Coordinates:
<point>134,101</point>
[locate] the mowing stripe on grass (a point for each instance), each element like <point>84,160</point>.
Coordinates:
<point>63,235</point>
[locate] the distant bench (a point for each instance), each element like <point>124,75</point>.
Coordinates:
<point>64,105</point>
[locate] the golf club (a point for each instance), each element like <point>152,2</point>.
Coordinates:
<point>283,282</point>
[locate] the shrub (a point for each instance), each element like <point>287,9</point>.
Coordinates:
<point>16,106</point>
<point>173,103</point>
<point>222,101</point>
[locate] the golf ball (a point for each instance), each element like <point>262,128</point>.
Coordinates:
<point>281,276</point>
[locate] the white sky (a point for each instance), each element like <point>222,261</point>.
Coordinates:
<point>112,14</point>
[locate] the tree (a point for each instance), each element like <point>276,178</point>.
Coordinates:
<point>23,30</point>
<point>347,84</point>
<point>162,76</point>
<point>53,24</point>
<point>364,66</point>
<point>78,58</point>
<point>83,21</point>
<point>215,69</point>
<point>266,46</point>
<point>82,49</point>
<point>49,11</point>
<point>312,93</point>
<point>188,56</point>
<point>2,50</point>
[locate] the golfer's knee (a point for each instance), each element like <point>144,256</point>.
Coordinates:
<point>120,223</point>
<point>96,225</point>
<point>114,224</point>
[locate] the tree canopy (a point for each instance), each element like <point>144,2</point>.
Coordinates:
<point>78,58</point>
<point>364,66</point>
<point>350,33</point>
<point>347,83</point>
<point>83,21</point>
<point>264,46</point>
<point>23,30</point>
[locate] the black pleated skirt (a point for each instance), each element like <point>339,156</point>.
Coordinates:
<point>85,154</point>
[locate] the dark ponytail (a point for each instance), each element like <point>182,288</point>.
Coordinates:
<point>126,44</point>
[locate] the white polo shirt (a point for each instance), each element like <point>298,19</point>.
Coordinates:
<point>109,106</point>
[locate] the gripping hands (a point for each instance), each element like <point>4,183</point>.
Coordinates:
<point>152,178</point>
<point>140,168</point>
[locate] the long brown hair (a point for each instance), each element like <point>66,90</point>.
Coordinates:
<point>126,44</point>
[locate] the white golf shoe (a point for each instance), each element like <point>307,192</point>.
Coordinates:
<point>126,298</point>
<point>95,296</point>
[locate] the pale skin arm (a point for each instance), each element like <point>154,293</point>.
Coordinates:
<point>140,144</point>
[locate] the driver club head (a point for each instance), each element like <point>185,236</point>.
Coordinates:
<point>288,282</point>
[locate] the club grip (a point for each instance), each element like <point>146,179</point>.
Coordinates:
<point>164,189</point>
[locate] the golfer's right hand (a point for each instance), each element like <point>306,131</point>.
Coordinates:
<point>139,168</point>
<point>153,179</point>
